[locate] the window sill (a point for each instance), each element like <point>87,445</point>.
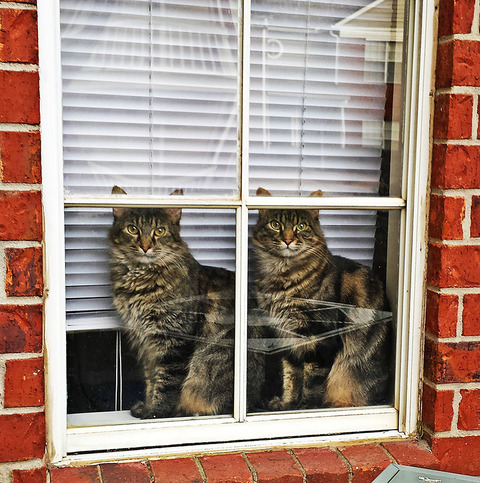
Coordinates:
<point>326,463</point>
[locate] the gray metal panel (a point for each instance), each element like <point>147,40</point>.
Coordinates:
<point>409,474</point>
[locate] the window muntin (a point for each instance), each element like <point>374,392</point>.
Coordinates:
<point>72,200</point>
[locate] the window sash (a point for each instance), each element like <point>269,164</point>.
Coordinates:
<point>98,438</point>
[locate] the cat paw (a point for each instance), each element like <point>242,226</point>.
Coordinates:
<point>143,411</point>
<point>278,404</point>
<point>138,409</point>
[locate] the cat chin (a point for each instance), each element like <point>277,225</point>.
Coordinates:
<point>288,252</point>
<point>146,259</point>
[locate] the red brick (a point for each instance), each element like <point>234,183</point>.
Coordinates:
<point>19,101</point>
<point>458,63</point>
<point>471,314</point>
<point>226,468</point>
<point>275,466</point>
<point>446,216</point>
<point>475,217</point>
<point>437,408</point>
<point>444,68</point>
<point>22,436</point>
<point>458,454</point>
<point>441,314</point>
<point>84,474</point>
<point>322,465</point>
<point>367,461</point>
<point>453,266</point>
<point>18,36</point>
<point>20,215</point>
<point>37,475</point>
<point>20,157</point>
<point>24,383</point>
<point>455,17</point>
<point>452,362</point>
<point>469,410</point>
<point>20,328</point>
<point>184,469</point>
<point>412,453</point>
<point>125,473</point>
<point>455,166</point>
<point>453,116</point>
<point>24,272</point>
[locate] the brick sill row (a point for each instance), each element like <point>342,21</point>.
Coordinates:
<point>359,463</point>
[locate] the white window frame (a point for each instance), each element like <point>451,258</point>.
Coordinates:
<point>240,431</point>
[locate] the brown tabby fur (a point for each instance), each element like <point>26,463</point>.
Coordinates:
<point>178,314</point>
<point>330,304</point>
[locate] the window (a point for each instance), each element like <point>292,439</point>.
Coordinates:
<point>219,99</point>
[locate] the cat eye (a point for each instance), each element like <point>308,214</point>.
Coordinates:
<point>275,225</point>
<point>132,229</point>
<point>301,226</point>
<point>160,231</point>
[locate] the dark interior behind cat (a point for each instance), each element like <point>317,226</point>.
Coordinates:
<point>333,306</point>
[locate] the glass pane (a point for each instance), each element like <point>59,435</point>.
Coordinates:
<point>324,291</point>
<point>326,96</point>
<point>150,310</point>
<point>150,96</point>
<point>91,372</point>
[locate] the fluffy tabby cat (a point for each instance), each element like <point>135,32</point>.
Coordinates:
<point>309,292</point>
<point>178,315</point>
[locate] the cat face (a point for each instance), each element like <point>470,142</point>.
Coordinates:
<point>145,235</point>
<point>287,233</point>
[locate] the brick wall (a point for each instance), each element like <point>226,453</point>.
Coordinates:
<point>451,399</point>
<point>22,421</point>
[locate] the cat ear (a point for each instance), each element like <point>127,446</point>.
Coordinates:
<point>263,192</point>
<point>175,213</point>
<point>178,192</point>
<point>314,213</point>
<point>117,212</point>
<point>116,190</point>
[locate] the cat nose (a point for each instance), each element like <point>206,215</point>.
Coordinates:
<point>288,237</point>
<point>145,245</point>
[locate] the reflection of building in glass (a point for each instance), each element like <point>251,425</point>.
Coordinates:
<point>381,25</point>
<point>381,20</point>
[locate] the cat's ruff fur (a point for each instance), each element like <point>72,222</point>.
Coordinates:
<point>178,314</point>
<point>296,278</point>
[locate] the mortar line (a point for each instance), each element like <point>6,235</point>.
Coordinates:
<point>251,468</point>
<point>150,471</point>
<point>299,464</point>
<point>201,470</point>
<point>349,466</point>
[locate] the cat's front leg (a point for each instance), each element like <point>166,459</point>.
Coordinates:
<point>162,389</point>
<point>314,377</point>
<point>292,375</point>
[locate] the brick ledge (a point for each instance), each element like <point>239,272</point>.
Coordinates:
<point>358,462</point>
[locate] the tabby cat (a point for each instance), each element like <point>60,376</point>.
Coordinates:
<point>318,298</point>
<point>178,315</point>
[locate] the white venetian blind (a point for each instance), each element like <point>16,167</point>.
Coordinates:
<point>317,100</point>
<point>150,96</point>
<point>150,103</point>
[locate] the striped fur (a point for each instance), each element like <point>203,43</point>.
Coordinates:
<point>318,297</point>
<point>177,313</point>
